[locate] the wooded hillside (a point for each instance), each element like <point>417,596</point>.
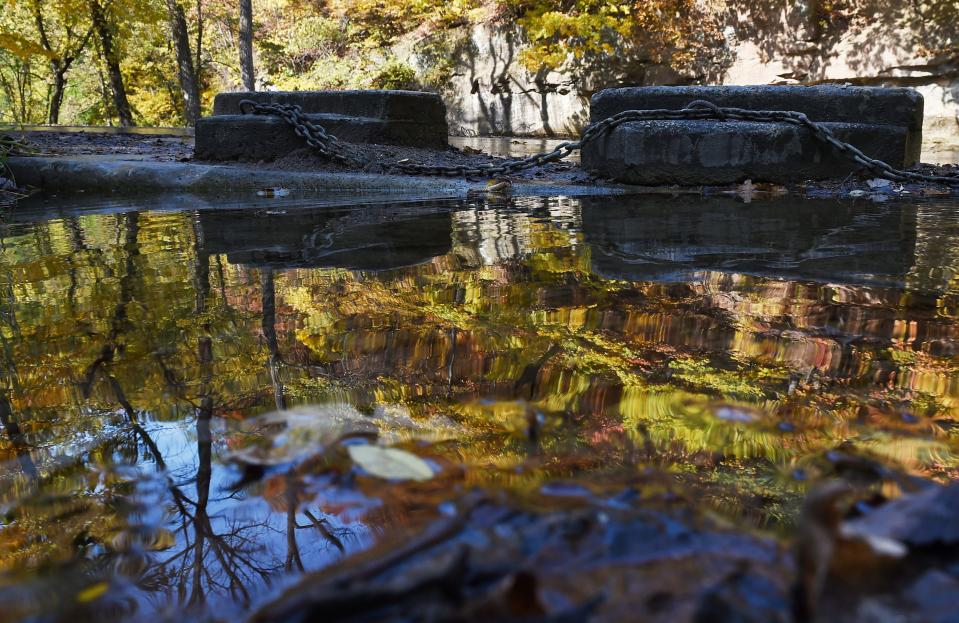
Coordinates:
<point>159,62</point>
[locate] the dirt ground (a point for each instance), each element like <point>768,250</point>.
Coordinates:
<point>160,148</point>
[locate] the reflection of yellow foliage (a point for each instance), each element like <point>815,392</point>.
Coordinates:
<point>700,373</point>
<point>669,417</point>
<point>475,347</point>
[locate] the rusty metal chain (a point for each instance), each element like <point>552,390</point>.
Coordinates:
<point>328,146</point>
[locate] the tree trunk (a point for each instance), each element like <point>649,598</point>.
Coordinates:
<point>198,52</point>
<point>118,90</point>
<point>184,60</point>
<point>56,96</point>
<point>246,44</point>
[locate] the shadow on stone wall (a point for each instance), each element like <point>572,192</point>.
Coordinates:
<point>492,92</point>
<point>872,38</point>
<point>868,42</point>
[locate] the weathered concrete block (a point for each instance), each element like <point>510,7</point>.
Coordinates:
<point>386,117</point>
<point>884,123</point>
<point>722,152</point>
<point>375,104</point>
<point>261,137</point>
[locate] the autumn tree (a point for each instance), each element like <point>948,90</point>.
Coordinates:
<point>106,28</point>
<point>64,35</point>
<point>20,82</point>
<point>606,40</point>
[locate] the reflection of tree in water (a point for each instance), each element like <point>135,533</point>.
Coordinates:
<point>9,381</point>
<point>519,310</point>
<point>208,560</point>
<point>211,555</point>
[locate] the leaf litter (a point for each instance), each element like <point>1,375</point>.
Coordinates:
<point>282,437</point>
<point>585,558</point>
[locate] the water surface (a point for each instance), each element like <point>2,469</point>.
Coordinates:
<point>723,354</point>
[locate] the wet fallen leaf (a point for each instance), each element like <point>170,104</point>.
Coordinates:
<point>498,186</point>
<point>92,592</point>
<point>390,463</point>
<point>746,191</point>
<point>732,413</point>
<point>857,193</point>
<point>918,519</point>
<point>878,182</point>
<point>283,436</point>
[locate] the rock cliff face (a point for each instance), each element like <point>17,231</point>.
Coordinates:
<point>893,43</point>
<point>492,93</point>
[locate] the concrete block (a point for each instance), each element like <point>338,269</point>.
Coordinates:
<point>885,123</point>
<point>261,137</point>
<point>721,152</point>
<point>881,106</point>
<point>385,117</point>
<point>374,104</point>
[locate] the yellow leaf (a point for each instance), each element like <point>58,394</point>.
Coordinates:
<point>390,463</point>
<point>21,46</point>
<point>92,592</point>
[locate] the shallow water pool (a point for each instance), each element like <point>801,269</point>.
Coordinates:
<point>721,354</point>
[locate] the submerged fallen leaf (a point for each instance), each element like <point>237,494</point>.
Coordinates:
<point>390,463</point>
<point>92,592</point>
<point>498,186</point>
<point>283,436</point>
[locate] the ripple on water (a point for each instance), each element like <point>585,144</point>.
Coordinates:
<point>681,348</point>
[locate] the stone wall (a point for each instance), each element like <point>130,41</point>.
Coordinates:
<point>768,41</point>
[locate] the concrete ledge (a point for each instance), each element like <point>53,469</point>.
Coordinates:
<point>885,106</point>
<point>387,105</point>
<point>248,137</point>
<point>387,117</point>
<point>722,152</point>
<point>107,176</point>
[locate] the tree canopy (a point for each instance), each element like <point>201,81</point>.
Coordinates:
<point>159,62</point>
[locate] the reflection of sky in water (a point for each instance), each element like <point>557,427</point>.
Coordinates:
<point>762,333</point>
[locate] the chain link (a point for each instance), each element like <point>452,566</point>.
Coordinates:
<point>314,134</point>
<point>329,147</point>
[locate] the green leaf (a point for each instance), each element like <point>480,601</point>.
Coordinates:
<point>390,463</point>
